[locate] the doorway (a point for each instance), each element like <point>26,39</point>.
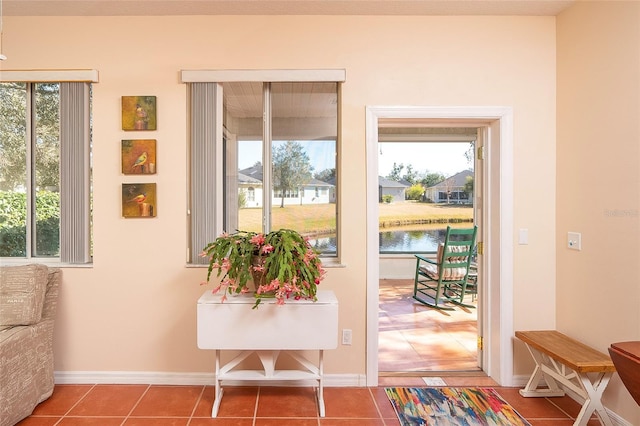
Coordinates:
<point>497,263</point>
<point>427,182</point>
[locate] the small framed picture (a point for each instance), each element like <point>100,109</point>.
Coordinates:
<point>139,200</point>
<point>139,113</point>
<point>139,156</point>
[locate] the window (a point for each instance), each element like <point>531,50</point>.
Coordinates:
<point>239,123</point>
<point>44,169</point>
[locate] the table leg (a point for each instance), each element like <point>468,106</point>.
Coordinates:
<point>219,391</point>
<point>320,384</point>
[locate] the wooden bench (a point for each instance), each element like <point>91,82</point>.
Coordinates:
<point>561,359</point>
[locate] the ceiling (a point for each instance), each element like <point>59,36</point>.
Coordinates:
<point>281,7</point>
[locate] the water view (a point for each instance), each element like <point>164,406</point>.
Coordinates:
<point>394,241</point>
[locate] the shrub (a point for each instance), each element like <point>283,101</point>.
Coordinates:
<point>415,192</point>
<point>13,234</point>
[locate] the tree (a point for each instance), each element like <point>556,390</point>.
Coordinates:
<point>469,153</point>
<point>431,179</point>
<point>327,175</point>
<point>395,172</point>
<point>13,130</point>
<point>468,186</point>
<point>448,185</point>
<point>410,175</point>
<point>291,167</point>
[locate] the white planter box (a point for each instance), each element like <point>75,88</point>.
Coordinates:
<point>267,330</point>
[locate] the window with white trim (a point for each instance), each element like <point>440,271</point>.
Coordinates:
<point>45,167</point>
<point>241,122</point>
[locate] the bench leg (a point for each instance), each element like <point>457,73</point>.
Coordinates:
<point>594,391</point>
<point>531,390</point>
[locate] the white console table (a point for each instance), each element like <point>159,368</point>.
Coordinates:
<point>297,325</point>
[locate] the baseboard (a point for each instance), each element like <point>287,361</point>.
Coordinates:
<point>163,378</point>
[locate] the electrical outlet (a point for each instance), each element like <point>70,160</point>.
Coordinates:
<point>346,336</point>
<point>574,240</point>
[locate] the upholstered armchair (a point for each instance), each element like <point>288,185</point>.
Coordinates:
<point>28,297</point>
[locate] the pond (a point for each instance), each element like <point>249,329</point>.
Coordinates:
<point>423,239</point>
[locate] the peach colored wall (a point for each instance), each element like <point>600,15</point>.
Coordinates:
<point>598,288</point>
<point>134,310</point>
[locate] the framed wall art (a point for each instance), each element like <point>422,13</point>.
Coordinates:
<point>139,113</point>
<point>139,200</point>
<point>138,156</point>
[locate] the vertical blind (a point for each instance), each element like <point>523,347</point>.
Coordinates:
<point>204,110</point>
<point>75,191</point>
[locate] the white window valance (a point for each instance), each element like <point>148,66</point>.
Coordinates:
<point>214,76</point>
<point>44,76</point>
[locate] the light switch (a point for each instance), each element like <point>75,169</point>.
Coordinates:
<point>523,236</point>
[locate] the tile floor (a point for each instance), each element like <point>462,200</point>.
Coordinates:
<point>406,359</point>
<point>414,338</point>
<point>158,405</point>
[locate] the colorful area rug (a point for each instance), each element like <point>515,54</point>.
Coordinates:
<point>446,406</point>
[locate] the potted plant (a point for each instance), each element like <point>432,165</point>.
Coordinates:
<point>280,264</point>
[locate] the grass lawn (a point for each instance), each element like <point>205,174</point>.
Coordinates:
<point>321,217</point>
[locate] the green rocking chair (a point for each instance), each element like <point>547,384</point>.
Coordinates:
<point>445,281</point>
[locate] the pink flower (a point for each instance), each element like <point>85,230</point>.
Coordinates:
<point>226,265</point>
<point>257,240</point>
<point>268,248</point>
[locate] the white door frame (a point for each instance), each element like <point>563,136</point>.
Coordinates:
<point>497,321</point>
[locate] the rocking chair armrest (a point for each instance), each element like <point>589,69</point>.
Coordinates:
<point>424,259</point>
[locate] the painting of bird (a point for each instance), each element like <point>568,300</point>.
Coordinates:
<point>142,158</point>
<point>139,113</point>
<point>138,156</point>
<point>140,198</point>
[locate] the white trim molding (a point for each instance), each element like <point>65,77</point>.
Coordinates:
<point>43,76</point>
<point>214,76</point>
<point>497,312</point>
<point>164,378</point>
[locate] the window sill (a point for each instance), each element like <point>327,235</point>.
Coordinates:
<point>52,263</point>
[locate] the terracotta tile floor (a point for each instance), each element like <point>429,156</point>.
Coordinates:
<point>159,405</point>
<point>414,338</point>
<point>406,359</point>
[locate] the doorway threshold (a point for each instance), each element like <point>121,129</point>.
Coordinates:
<point>465,373</point>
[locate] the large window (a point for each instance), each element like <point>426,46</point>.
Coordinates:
<point>238,127</point>
<point>45,171</point>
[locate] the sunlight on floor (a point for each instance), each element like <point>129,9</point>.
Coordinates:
<point>414,338</point>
